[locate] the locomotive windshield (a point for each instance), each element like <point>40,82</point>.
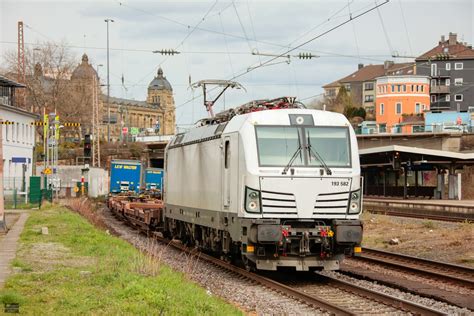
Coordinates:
<point>277,144</point>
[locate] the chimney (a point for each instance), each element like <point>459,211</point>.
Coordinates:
<point>442,39</point>
<point>452,38</point>
<point>360,66</point>
<point>387,64</point>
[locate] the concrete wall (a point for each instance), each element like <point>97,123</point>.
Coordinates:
<point>97,178</point>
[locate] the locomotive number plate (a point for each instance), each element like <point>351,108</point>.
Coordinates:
<point>340,183</point>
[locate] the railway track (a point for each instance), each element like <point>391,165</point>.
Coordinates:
<point>323,293</point>
<point>441,270</point>
<point>444,218</point>
<point>426,274</point>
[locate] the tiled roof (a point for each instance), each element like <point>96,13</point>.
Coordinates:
<point>370,72</point>
<point>456,51</point>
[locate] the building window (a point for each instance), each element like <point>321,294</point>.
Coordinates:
<point>458,97</point>
<point>348,87</point>
<point>369,86</point>
<point>404,88</point>
<point>381,108</point>
<point>434,70</point>
<point>398,108</point>
<point>417,108</point>
<point>448,82</point>
<point>369,98</point>
<point>433,83</point>
<point>433,98</point>
<point>422,88</point>
<point>448,66</point>
<point>424,107</point>
<point>393,88</point>
<point>448,98</point>
<point>458,66</point>
<point>458,81</point>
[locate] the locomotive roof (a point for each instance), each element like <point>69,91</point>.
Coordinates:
<point>266,117</point>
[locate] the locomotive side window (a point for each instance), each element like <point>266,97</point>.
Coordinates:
<point>226,154</point>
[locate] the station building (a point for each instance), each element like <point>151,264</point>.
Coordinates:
<point>17,138</point>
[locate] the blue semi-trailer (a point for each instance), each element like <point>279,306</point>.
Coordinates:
<point>154,179</point>
<point>125,176</point>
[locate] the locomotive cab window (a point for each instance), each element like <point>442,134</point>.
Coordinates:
<point>276,146</point>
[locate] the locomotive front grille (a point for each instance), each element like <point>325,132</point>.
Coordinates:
<point>331,203</point>
<point>279,203</point>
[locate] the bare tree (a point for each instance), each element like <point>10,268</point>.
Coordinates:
<point>48,68</point>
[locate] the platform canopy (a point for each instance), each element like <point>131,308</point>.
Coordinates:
<point>388,155</point>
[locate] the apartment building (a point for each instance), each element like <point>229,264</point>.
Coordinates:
<point>401,102</point>
<point>361,84</point>
<point>450,65</point>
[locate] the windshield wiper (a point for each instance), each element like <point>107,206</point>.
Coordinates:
<point>317,156</point>
<point>293,158</point>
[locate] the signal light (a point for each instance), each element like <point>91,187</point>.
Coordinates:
<point>87,145</point>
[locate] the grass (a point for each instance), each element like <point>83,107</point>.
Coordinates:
<point>79,269</point>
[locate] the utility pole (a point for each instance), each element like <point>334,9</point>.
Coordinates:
<point>21,62</point>
<point>108,81</point>
<point>95,124</point>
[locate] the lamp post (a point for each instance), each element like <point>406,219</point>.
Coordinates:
<point>108,82</point>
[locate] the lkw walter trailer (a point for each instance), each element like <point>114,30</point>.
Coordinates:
<point>273,188</point>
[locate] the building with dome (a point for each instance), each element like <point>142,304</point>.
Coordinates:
<point>155,115</point>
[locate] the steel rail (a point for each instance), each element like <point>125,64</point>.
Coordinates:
<point>383,298</point>
<point>429,268</point>
<point>288,291</point>
<point>269,283</point>
<point>434,217</point>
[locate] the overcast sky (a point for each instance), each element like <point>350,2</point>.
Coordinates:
<point>226,33</point>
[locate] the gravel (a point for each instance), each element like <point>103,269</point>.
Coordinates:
<point>248,296</point>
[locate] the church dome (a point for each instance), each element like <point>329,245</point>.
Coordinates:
<point>160,82</point>
<point>84,70</point>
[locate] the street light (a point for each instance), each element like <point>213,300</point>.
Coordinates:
<point>108,82</point>
<point>97,69</point>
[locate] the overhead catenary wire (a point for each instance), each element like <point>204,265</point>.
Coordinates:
<point>354,30</point>
<point>406,28</point>
<point>376,6</point>
<point>387,38</point>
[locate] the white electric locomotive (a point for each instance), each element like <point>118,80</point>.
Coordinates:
<point>270,183</point>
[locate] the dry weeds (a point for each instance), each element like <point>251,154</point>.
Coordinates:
<point>450,242</point>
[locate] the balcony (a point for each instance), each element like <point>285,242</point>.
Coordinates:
<point>439,89</point>
<point>440,105</point>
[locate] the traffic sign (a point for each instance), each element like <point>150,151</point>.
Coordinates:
<point>134,130</point>
<point>48,171</point>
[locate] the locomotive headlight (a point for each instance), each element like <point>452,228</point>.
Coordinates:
<point>252,200</point>
<point>354,205</point>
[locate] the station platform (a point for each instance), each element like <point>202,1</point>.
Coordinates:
<point>463,209</point>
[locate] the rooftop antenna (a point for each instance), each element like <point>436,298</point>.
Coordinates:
<point>222,84</point>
